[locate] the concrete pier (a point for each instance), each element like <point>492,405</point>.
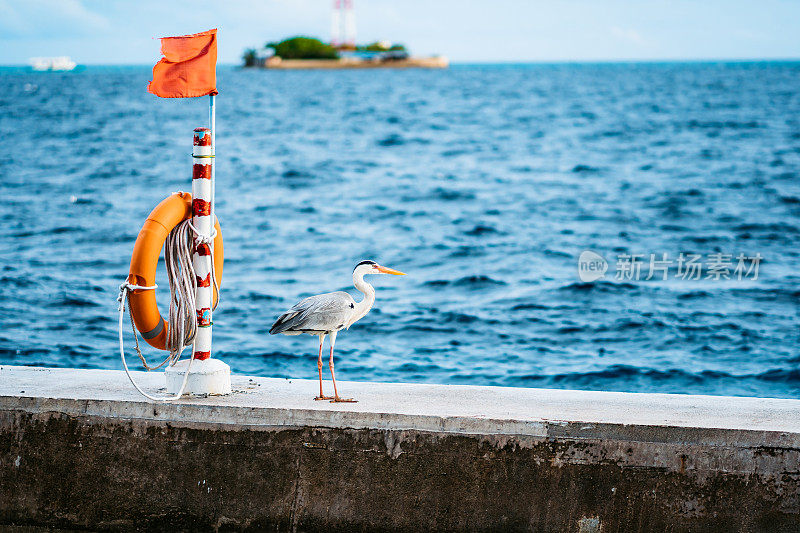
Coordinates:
<point>81,449</point>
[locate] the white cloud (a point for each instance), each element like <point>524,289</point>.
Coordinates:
<point>45,19</point>
<point>628,35</point>
<point>123,31</point>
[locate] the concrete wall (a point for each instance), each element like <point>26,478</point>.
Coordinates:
<point>80,449</point>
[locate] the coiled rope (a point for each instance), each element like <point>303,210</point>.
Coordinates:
<point>182,321</point>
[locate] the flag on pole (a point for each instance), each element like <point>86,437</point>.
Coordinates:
<point>188,68</point>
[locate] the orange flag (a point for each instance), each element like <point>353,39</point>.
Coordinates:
<point>188,68</point>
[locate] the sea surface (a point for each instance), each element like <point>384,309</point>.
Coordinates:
<point>484,183</point>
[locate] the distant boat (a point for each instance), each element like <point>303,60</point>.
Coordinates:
<point>62,63</point>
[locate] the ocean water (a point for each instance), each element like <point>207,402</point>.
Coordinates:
<point>483,183</point>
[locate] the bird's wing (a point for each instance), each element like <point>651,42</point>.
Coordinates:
<point>323,312</point>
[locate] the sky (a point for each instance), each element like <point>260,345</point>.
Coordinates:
<point>125,32</point>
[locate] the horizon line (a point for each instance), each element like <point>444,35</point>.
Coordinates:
<point>510,61</point>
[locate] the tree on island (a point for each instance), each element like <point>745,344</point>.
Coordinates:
<point>303,48</point>
<point>381,46</point>
<point>250,58</point>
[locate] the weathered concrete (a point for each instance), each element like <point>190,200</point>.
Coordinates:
<point>81,449</point>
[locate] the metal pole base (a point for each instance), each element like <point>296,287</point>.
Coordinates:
<point>209,376</point>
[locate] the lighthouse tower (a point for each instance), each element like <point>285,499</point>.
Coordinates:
<point>343,24</point>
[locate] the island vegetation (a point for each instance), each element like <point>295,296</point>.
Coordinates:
<point>381,46</point>
<point>302,47</point>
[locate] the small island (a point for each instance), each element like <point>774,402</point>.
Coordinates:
<point>310,53</point>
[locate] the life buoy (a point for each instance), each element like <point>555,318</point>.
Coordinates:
<point>169,213</point>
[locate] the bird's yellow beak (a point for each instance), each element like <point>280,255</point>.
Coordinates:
<point>387,270</point>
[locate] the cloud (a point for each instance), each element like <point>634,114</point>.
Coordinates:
<point>49,19</point>
<point>117,31</point>
<point>628,35</point>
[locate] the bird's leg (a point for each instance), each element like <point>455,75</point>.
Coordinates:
<point>319,368</point>
<point>336,397</point>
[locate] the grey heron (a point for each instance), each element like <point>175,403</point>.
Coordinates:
<point>327,314</point>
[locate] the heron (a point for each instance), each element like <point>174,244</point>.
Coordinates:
<point>329,313</point>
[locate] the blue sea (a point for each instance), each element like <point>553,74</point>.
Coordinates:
<point>485,183</point>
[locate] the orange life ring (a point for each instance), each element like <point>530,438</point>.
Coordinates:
<point>169,213</point>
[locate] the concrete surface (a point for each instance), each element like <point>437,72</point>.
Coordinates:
<point>82,449</point>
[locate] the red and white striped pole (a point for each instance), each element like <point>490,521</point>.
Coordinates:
<point>202,168</point>
<point>206,375</point>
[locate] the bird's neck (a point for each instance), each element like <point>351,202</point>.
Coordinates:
<point>363,307</point>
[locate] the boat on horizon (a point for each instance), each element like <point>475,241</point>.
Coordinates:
<point>54,64</point>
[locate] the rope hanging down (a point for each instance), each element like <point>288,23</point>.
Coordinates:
<point>182,322</point>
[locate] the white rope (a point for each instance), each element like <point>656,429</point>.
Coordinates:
<point>123,295</point>
<point>133,287</point>
<point>178,252</point>
<point>208,239</point>
<point>182,322</point>
<point>129,286</point>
